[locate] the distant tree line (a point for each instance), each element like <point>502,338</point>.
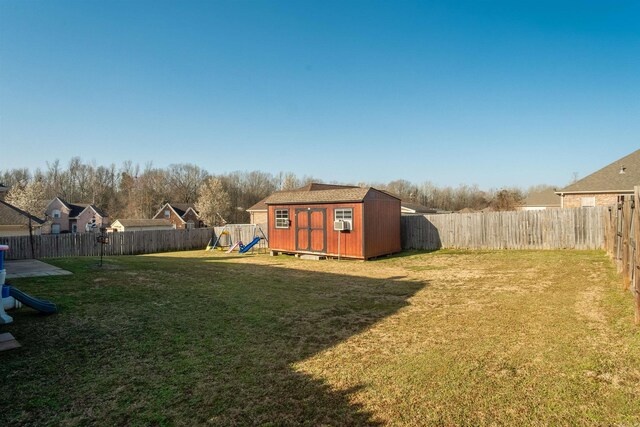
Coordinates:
<point>132,191</point>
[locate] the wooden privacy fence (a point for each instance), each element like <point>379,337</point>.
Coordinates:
<point>242,232</point>
<point>581,228</point>
<point>622,229</point>
<point>121,243</point>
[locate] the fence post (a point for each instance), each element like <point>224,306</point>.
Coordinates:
<point>636,253</point>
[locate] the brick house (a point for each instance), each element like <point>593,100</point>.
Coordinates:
<point>258,212</point>
<point>605,186</point>
<point>68,217</point>
<point>180,215</point>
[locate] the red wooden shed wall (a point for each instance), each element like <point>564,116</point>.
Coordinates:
<point>376,228</point>
<point>381,224</point>
<point>351,242</point>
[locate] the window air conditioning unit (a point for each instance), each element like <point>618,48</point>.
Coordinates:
<point>341,225</point>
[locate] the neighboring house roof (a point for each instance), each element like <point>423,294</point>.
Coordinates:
<point>180,209</point>
<point>610,178</point>
<point>75,209</point>
<point>260,206</point>
<point>344,194</point>
<point>546,198</point>
<point>99,212</point>
<point>411,207</point>
<point>142,222</point>
<point>11,215</point>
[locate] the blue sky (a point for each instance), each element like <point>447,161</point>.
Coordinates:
<point>494,93</point>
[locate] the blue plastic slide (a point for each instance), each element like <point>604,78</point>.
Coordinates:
<point>245,249</point>
<point>35,303</point>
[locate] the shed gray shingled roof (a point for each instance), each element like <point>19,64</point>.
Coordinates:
<point>311,187</point>
<point>348,194</point>
<point>609,177</point>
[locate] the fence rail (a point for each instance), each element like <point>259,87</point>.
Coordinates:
<point>125,243</point>
<point>121,243</point>
<point>581,228</point>
<point>622,229</point>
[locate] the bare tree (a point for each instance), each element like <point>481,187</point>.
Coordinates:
<point>185,179</point>
<point>507,199</point>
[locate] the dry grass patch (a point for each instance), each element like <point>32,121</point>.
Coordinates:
<point>444,338</point>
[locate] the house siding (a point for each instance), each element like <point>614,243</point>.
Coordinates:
<point>603,199</point>
<point>258,217</point>
<point>63,221</point>
<point>86,216</point>
<point>191,216</point>
<point>173,218</point>
<point>18,230</point>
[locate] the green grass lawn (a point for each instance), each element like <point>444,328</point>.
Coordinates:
<point>445,338</point>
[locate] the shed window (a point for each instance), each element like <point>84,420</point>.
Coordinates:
<point>282,218</point>
<point>344,214</point>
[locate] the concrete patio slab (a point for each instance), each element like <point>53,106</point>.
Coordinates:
<point>32,268</point>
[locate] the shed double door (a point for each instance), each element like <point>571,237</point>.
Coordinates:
<point>311,230</point>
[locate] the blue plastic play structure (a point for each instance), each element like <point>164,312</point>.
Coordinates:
<point>41,305</point>
<point>11,297</point>
<point>246,248</point>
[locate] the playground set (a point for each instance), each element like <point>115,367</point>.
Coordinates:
<point>13,298</point>
<point>228,243</point>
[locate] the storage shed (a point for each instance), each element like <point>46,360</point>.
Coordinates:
<point>350,222</point>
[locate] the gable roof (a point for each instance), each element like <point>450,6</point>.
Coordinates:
<point>260,206</point>
<point>100,212</point>
<point>609,178</point>
<point>142,222</point>
<point>343,194</point>
<point>547,198</point>
<point>312,186</point>
<point>75,209</point>
<point>11,215</point>
<point>180,209</point>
